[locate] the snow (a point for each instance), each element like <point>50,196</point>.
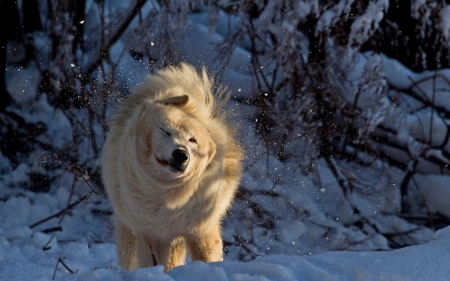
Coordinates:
<point>77,244</point>
<point>363,27</point>
<point>312,234</point>
<point>22,84</point>
<point>236,76</point>
<point>28,254</point>
<point>435,190</point>
<point>416,125</point>
<point>444,25</point>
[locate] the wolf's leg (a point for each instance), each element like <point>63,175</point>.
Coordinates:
<point>126,246</point>
<point>206,247</point>
<point>177,255</point>
<point>151,251</point>
<point>146,255</point>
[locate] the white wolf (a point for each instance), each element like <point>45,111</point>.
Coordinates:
<point>171,167</point>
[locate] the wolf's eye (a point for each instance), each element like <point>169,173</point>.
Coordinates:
<point>167,133</point>
<point>193,140</point>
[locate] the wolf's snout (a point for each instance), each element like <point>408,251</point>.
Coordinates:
<point>180,159</point>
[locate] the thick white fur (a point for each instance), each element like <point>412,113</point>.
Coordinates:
<point>160,212</point>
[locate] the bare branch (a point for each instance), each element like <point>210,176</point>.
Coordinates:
<point>63,211</point>
<point>115,35</point>
<point>60,261</point>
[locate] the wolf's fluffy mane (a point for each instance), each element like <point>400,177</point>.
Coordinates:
<point>185,80</point>
<point>206,100</point>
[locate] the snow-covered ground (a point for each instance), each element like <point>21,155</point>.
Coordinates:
<point>29,254</point>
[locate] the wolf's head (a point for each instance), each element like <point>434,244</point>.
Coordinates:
<point>173,145</point>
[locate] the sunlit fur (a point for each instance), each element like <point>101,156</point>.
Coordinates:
<point>160,212</point>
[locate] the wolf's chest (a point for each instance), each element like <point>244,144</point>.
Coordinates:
<point>162,219</point>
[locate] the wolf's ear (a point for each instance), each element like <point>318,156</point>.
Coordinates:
<point>177,101</point>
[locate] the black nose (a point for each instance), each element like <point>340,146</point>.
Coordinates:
<point>180,159</point>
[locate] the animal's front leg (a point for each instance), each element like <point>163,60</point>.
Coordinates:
<point>206,246</point>
<point>126,248</point>
<point>151,251</point>
<point>177,253</point>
